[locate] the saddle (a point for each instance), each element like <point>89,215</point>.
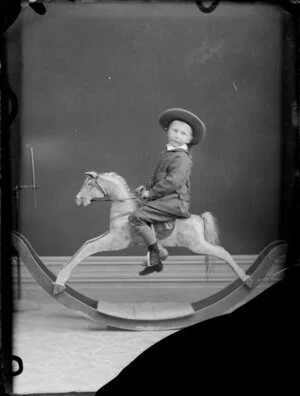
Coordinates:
<point>163,230</point>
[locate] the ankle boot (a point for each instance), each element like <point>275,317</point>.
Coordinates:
<point>150,238</point>
<point>154,254</point>
<point>155,263</point>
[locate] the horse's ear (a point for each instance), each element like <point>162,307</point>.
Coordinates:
<point>93,174</point>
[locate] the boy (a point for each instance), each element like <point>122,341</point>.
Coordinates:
<point>168,192</point>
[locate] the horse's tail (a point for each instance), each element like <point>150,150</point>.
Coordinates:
<point>211,229</point>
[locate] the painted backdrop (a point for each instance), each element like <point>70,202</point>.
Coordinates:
<point>92,80</point>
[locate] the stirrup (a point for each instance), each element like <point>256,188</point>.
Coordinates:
<point>163,257</point>
<point>148,261</point>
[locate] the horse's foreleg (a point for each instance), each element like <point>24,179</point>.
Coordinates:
<point>219,252</point>
<point>104,242</point>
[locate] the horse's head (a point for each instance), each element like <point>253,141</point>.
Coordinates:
<point>91,190</point>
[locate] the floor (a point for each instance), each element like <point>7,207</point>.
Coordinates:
<point>65,352</point>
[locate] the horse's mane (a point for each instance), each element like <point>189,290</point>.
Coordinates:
<point>117,178</point>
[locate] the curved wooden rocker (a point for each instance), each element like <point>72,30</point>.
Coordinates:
<point>150,316</point>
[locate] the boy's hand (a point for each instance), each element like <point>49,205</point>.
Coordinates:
<point>140,189</point>
<point>145,194</point>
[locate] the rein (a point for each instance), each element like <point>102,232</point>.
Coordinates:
<point>114,200</point>
<point>101,189</point>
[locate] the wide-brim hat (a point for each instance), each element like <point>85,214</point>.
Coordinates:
<point>198,127</point>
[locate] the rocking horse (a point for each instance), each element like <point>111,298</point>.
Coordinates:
<point>198,233</point>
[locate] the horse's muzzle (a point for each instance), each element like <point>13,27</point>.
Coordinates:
<point>79,201</point>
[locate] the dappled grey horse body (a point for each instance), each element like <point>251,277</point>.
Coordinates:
<point>198,233</point>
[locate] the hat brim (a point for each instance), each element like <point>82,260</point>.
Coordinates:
<point>198,127</point>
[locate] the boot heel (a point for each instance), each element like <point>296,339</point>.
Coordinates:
<point>159,267</point>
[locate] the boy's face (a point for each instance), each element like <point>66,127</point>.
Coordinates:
<point>179,133</point>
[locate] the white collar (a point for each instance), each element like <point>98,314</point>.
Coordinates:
<point>170,147</point>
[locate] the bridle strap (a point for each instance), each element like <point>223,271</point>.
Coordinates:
<point>101,189</point>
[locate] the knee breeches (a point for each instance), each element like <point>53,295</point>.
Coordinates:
<point>147,215</point>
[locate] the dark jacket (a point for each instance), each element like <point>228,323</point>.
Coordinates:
<point>170,183</point>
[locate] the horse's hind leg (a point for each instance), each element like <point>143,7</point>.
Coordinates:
<point>104,242</point>
<point>214,250</point>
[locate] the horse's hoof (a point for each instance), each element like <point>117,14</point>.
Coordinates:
<point>57,289</point>
<point>248,281</point>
